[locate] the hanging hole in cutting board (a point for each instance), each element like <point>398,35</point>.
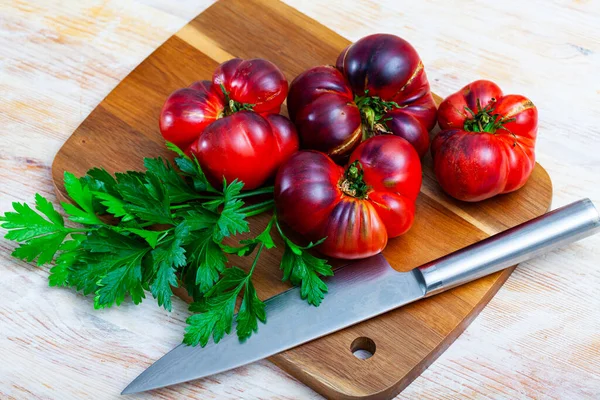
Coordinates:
<point>363,348</point>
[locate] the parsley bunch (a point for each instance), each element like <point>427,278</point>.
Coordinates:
<point>158,229</point>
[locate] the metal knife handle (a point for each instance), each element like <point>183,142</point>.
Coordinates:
<point>549,231</point>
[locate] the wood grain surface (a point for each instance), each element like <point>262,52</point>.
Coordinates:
<point>539,338</point>
<point>408,340</point>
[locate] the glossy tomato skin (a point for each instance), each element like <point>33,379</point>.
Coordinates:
<point>188,111</point>
<point>244,146</point>
<point>257,81</point>
<point>393,170</point>
<point>230,123</point>
<point>452,112</point>
<point>322,106</point>
<point>322,100</point>
<point>306,190</point>
<point>473,166</point>
<point>389,67</point>
<point>286,138</point>
<point>309,197</point>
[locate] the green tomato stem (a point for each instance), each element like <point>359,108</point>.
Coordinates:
<point>353,183</point>
<point>485,120</point>
<point>373,110</point>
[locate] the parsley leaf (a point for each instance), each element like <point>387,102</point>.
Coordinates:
<point>198,219</point>
<point>205,257</point>
<point>152,237</point>
<point>25,223</point>
<point>216,310</point>
<point>42,247</point>
<point>70,252</point>
<point>248,245</point>
<point>178,190</point>
<point>205,261</point>
<point>191,168</point>
<point>161,287</point>
<point>118,282</point>
<point>232,221</point>
<point>232,190</point>
<point>46,208</point>
<point>114,205</point>
<point>167,259</point>
<point>99,180</point>
<point>265,236</point>
<point>146,197</point>
<point>251,310</point>
<point>113,268</point>
<point>39,237</point>
<point>304,269</point>
<point>131,256</point>
<point>81,194</point>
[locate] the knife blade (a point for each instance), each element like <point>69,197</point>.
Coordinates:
<point>365,289</point>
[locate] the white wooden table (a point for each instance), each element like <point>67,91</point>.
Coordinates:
<point>538,338</point>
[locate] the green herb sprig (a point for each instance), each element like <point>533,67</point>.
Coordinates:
<point>167,230</point>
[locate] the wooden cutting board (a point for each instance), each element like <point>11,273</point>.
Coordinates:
<point>124,128</point>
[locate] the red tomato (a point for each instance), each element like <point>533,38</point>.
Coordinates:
<point>357,208</point>
<point>232,124</point>
<point>378,85</point>
<point>188,111</point>
<point>487,143</point>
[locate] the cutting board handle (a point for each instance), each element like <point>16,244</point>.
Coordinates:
<point>513,246</point>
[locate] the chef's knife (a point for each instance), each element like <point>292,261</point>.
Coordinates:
<point>365,289</point>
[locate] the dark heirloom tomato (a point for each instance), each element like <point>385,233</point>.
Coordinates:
<point>357,208</point>
<point>378,85</point>
<point>257,82</point>
<point>232,124</point>
<point>487,143</point>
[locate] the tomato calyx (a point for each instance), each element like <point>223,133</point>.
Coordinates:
<point>484,120</point>
<point>232,106</point>
<point>353,183</point>
<point>372,111</point>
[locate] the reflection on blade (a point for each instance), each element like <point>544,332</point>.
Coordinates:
<point>357,292</point>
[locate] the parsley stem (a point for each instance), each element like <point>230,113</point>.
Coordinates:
<point>258,205</point>
<point>260,249</point>
<point>257,208</point>
<point>256,192</point>
<point>283,236</point>
<point>257,212</point>
<point>180,206</point>
<point>72,230</point>
<point>207,197</point>
<point>279,228</point>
